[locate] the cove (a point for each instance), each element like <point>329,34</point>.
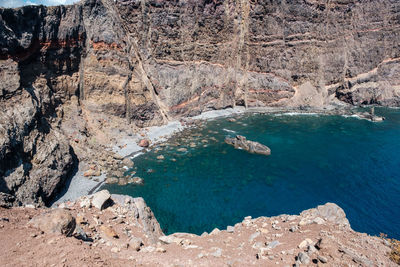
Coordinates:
<point>315,159</point>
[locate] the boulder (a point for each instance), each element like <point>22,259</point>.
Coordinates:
<point>6,200</point>
<point>128,162</point>
<point>303,258</point>
<point>111,180</point>
<point>101,199</point>
<point>108,231</point>
<point>122,181</point>
<point>170,239</point>
<point>135,180</point>
<point>58,221</point>
<point>135,243</point>
<point>92,172</point>
<point>240,142</point>
<point>144,143</point>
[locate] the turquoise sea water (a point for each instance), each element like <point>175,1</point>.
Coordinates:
<point>315,159</point>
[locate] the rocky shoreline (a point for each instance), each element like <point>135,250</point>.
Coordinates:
<point>116,230</point>
<point>128,146</point>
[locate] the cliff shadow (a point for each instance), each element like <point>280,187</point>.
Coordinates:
<point>66,183</point>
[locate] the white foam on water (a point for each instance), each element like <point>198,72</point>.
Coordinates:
<point>296,114</point>
<point>136,155</point>
<point>229,131</point>
<point>352,116</point>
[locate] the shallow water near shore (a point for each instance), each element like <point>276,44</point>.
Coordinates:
<point>315,159</point>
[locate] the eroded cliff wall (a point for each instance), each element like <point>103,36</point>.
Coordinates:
<point>147,62</point>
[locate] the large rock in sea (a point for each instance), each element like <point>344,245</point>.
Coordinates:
<point>240,142</point>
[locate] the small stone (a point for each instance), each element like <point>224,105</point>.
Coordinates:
<point>294,228</point>
<point>322,259</point>
<point>303,222</point>
<point>311,249</point>
<point>148,249</point>
<point>117,156</point>
<point>257,245</point>
<point>108,231</point>
<point>201,255</point>
<point>230,229</point>
<point>135,243</point>
<point>115,250</point>
<point>276,227</point>
<point>127,201</point>
<point>273,244</point>
<point>161,250</point>
<point>88,173</point>
<point>217,253</point>
<point>321,243</point>
<point>319,220</point>
<point>80,219</point>
<point>254,236</point>
<point>305,243</point>
<point>169,239</point>
<point>190,246</point>
<point>303,258</point>
<point>85,202</point>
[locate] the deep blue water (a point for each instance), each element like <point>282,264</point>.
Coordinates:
<point>315,159</point>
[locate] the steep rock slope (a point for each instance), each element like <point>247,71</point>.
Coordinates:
<point>143,63</point>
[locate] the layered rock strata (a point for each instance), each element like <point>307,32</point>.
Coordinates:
<point>73,77</point>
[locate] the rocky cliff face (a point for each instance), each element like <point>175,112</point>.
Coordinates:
<point>145,62</point>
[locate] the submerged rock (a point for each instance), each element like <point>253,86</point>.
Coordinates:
<point>135,180</point>
<point>240,142</point>
<point>370,116</point>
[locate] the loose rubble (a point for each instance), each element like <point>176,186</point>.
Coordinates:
<point>125,232</point>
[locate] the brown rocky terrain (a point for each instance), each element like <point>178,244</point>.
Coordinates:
<point>126,233</point>
<point>75,79</point>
